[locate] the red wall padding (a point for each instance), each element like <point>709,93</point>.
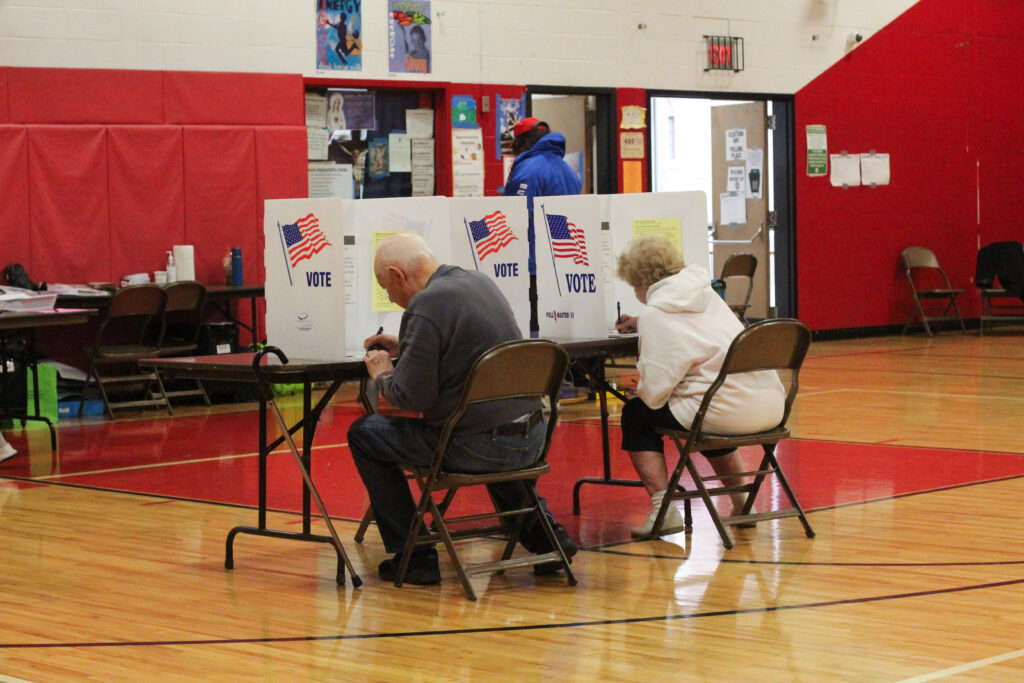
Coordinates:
<point>280,174</point>
<point>4,118</point>
<point>937,89</point>
<point>147,196</point>
<point>220,196</point>
<point>203,97</point>
<point>14,211</point>
<point>85,96</point>
<point>69,206</point>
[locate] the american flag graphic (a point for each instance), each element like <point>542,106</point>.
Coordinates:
<point>567,241</point>
<point>303,239</point>
<point>490,234</point>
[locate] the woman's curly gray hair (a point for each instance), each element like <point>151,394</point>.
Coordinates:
<point>647,260</point>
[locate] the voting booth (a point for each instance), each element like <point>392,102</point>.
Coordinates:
<point>489,235</point>
<point>305,287</point>
<point>323,298</point>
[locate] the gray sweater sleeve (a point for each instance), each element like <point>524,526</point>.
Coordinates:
<point>415,381</point>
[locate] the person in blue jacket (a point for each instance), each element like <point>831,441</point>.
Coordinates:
<point>539,170</point>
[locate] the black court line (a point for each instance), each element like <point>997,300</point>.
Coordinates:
<point>527,627</point>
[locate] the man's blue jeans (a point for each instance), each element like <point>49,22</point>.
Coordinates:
<point>380,442</point>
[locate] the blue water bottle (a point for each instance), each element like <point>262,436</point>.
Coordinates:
<point>236,266</point>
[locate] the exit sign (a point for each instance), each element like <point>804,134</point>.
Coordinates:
<point>723,53</point>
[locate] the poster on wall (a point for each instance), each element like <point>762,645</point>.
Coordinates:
<point>463,111</point>
<point>378,154</point>
<point>359,110</point>
<point>510,112</point>
<point>409,36</point>
<point>467,163</point>
<point>817,151</point>
<point>339,46</point>
<point>316,110</point>
<point>328,179</point>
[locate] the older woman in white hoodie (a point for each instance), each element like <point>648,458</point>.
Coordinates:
<point>685,331</point>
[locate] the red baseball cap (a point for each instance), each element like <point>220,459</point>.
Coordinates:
<point>527,124</point>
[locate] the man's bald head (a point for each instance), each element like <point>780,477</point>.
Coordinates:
<point>403,264</point>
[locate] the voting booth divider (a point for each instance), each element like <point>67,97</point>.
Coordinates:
<point>323,298</point>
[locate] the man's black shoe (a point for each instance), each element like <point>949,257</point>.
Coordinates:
<point>568,545</point>
<point>422,569</point>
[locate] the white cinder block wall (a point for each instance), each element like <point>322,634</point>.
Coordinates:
<point>654,44</point>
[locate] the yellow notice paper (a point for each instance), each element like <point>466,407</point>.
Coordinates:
<point>669,228</point>
<point>381,303</point>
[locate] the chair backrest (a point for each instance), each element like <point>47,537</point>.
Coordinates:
<point>523,368</point>
<point>183,314</point>
<point>779,344</point>
<point>134,316</point>
<point>918,258</point>
<point>739,265</point>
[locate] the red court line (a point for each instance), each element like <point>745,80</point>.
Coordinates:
<point>823,473</point>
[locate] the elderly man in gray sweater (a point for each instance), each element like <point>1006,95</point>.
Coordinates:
<point>452,316</point>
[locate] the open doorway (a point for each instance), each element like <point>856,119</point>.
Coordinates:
<point>587,119</point>
<point>690,150</point>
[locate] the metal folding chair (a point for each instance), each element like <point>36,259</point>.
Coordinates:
<point>769,345</point>
<point>922,269</point>
<point>516,369</point>
<point>182,322</point>
<point>741,268</point>
<point>130,330</point>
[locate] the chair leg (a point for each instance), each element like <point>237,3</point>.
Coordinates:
<point>364,524</point>
<point>163,392</point>
<point>550,532</point>
<point>709,504</point>
<point>770,456</point>
<point>449,544</point>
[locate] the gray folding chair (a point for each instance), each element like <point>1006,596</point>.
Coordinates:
<point>778,345</point>
<point>928,283</point>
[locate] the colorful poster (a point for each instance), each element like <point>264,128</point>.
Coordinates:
<point>463,111</point>
<point>510,112</point>
<point>409,36</point>
<point>378,158</point>
<point>339,46</point>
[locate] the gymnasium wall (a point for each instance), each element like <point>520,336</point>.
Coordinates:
<point>939,90</point>
<point>595,43</point>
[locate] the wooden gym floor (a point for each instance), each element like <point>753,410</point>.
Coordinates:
<point>909,452</point>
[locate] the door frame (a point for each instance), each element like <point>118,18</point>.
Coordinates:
<point>606,161</point>
<point>783,184</point>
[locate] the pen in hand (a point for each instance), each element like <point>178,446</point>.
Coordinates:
<point>618,311</point>
<point>374,347</point>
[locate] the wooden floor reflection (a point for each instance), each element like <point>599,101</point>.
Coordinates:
<point>909,449</point>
